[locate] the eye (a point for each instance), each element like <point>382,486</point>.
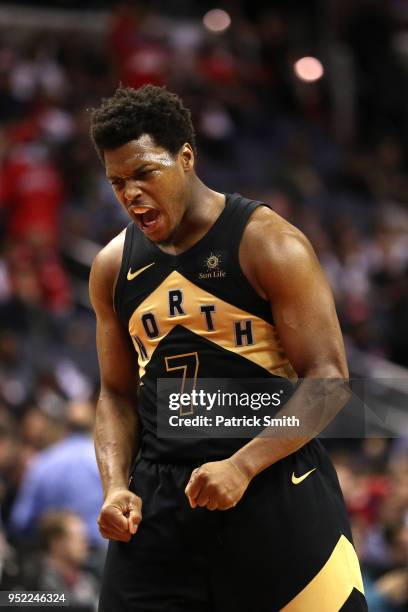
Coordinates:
<point>117,183</point>
<point>146,173</point>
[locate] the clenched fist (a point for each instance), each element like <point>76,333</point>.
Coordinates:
<point>218,485</point>
<point>120,515</point>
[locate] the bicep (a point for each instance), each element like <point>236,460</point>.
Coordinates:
<point>117,358</point>
<point>303,310</point>
<point>116,355</point>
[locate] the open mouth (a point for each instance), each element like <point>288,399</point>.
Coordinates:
<point>146,218</point>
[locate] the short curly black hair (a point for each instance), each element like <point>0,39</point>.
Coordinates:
<point>151,110</point>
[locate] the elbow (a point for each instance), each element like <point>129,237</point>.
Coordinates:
<point>116,393</point>
<point>328,371</point>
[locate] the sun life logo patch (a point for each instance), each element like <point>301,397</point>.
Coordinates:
<point>212,264</point>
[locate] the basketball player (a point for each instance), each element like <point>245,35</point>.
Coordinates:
<point>226,525</point>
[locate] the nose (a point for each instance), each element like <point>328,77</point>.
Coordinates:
<point>132,191</point>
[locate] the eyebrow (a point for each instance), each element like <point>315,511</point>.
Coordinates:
<point>111,177</point>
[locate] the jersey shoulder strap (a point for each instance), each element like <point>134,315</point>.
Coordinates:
<point>240,210</point>
<point>124,268</point>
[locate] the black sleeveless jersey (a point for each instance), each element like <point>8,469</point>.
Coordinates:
<point>195,313</point>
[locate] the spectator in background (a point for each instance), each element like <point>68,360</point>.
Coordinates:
<point>64,542</point>
<point>62,477</point>
<point>20,444</point>
<point>8,562</point>
<point>32,193</point>
<point>389,592</point>
<point>377,504</point>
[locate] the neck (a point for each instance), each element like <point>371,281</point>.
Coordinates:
<point>203,209</point>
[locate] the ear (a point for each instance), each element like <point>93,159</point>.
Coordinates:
<point>187,157</point>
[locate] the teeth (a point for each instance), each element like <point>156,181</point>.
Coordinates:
<point>139,210</point>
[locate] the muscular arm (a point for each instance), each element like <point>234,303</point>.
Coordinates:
<point>284,269</point>
<point>280,264</point>
<point>116,425</point>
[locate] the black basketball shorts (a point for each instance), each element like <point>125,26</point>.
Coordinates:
<point>285,546</point>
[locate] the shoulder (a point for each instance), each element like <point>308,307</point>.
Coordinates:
<point>275,254</point>
<point>105,269</point>
<point>110,257</point>
<point>268,237</point>
<point>267,228</point>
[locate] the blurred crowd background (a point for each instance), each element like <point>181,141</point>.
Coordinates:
<point>323,141</point>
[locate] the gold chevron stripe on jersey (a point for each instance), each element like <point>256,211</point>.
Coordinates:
<point>332,586</point>
<point>266,350</point>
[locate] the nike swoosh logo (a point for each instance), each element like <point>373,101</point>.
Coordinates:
<point>131,275</point>
<point>298,479</point>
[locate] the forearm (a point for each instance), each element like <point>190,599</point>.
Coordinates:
<point>315,403</point>
<point>116,438</point>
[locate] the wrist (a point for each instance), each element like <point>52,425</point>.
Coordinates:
<point>243,465</point>
<point>115,487</point>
